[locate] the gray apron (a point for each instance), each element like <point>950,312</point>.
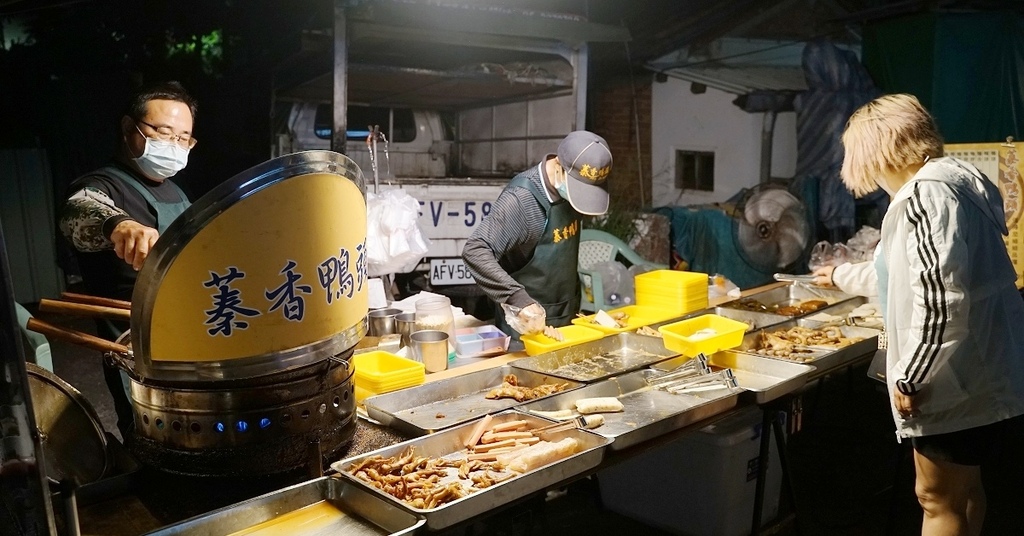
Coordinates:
<point>165,214</point>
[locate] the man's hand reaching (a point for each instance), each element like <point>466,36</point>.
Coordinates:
<point>132,242</point>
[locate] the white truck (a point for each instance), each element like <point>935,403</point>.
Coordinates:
<point>454,177</point>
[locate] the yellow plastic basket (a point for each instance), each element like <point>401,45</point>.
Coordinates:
<point>705,334</point>
<point>539,343</point>
<point>638,316</point>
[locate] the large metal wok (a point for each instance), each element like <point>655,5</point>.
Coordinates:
<point>243,318</point>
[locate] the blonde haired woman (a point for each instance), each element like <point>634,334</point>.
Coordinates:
<point>953,317</point>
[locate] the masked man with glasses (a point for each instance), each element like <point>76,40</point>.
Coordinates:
<point>112,216</point>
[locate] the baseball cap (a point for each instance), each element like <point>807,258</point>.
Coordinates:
<point>587,162</point>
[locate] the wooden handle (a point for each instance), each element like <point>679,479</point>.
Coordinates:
<point>76,337</point>
<point>95,300</point>
<point>81,309</point>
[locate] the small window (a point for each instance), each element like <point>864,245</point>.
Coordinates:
<point>405,126</point>
<point>695,170</point>
<point>360,118</point>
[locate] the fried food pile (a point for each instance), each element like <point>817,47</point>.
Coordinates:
<point>802,308</point>
<point>510,388</point>
<point>552,333</point>
<point>421,481</point>
<point>649,331</point>
<point>620,318</point>
<point>493,454</point>
<point>800,343</point>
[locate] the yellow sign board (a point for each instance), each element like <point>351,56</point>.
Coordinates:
<point>1001,163</point>
<point>282,268</point>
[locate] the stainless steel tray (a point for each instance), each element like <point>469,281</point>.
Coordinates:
<point>449,442</point>
<point>365,513</point>
<point>823,360</point>
<point>753,319</point>
<point>765,379</point>
<point>434,406</point>
<point>793,294</point>
<point>647,413</point>
<point>603,358</point>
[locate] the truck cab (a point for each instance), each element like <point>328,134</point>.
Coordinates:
<point>419,142</point>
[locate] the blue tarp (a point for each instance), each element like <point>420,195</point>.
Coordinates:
<point>837,85</point>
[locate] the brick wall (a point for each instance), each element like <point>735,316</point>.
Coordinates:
<point>611,116</point>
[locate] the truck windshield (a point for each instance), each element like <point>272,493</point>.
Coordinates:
<point>361,118</point>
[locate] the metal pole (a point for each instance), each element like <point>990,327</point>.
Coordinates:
<point>340,98</point>
<point>23,484</point>
<point>636,128</point>
<point>767,132</point>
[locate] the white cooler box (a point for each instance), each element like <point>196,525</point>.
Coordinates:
<point>702,484</point>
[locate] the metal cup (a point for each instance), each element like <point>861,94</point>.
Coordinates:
<point>382,321</point>
<point>405,324</point>
<point>430,347</point>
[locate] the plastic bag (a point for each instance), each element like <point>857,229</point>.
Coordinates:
<point>720,286</point>
<point>394,242</point>
<point>615,282</point>
<point>527,324</point>
<point>858,248</point>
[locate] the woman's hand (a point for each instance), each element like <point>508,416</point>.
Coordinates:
<point>823,276</point>
<point>906,406</point>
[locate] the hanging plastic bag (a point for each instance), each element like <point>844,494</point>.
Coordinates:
<point>394,242</point>
<point>615,282</point>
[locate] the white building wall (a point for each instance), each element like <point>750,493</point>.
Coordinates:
<point>682,120</point>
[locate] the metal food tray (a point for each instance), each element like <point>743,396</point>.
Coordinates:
<point>765,379</point>
<point>647,412</point>
<point>366,513</point>
<point>793,294</point>
<point>824,360</point>
<point>753,319</point>
<point>449,443</point>
<point>441,404</point>
<point>600,359</point>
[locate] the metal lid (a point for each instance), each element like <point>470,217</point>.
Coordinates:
<point>74,444</point>
<point>264,273</point>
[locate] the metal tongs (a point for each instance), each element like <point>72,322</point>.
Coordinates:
<point>698,366</point>
<point>585,422</point>
<point>791,278</point>
<point>723,379</point>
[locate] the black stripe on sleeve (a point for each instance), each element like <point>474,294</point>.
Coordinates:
<point>935,292</point>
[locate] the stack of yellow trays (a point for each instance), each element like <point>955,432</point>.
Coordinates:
<point>379,372</point>
<point>674,291</point>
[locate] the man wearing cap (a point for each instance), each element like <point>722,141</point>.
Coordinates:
<point>525,252</point>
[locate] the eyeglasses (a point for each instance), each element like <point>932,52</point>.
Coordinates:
<point>184,141</point>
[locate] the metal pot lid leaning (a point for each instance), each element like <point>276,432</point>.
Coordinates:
<point>73,440</point>
<point>264,273</point>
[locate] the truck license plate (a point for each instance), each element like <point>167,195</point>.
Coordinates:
<point>449,271</point>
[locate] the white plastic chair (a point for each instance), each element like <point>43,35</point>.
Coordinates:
<point>597,247</point>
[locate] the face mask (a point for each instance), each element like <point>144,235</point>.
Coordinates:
<point>162,159</point>
<point>563,190</point>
